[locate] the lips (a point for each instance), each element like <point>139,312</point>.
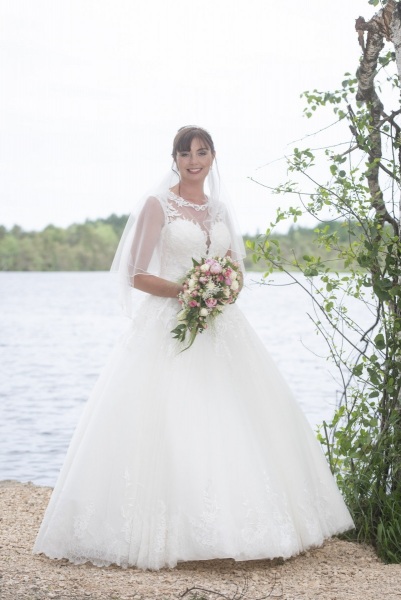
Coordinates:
<point>194,171</point>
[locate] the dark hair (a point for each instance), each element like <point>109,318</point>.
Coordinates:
<point>185,135</point>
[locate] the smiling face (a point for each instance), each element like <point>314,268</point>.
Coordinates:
<point>194,164</point>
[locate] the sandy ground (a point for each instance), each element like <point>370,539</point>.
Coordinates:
<point>340,570</point>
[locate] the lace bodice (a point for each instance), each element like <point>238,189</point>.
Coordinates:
<point>183,240</point>
<point>163,236</point>
<point>188,234</point>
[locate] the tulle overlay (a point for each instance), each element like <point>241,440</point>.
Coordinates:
<point>188,456</point>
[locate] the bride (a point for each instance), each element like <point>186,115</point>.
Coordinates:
<point>188,455</point>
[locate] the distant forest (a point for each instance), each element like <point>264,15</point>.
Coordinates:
<point>90,246</point>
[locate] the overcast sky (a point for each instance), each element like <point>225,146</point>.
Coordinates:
<point>93,91</point>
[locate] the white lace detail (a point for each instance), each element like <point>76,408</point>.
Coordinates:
<point>184,239</point>
<point>205,528</point>
<point>82,521</point>
<point>181,202</point>
<point>171,212</point>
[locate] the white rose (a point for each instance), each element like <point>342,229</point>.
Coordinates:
<point>204,267</point>
<point>203,312</point>
<point>234,286</point>
<point>191,283</point>
<point>233,275</point>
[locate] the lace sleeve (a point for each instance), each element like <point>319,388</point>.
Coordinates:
<point>139,251</point>
<point>144,247</point>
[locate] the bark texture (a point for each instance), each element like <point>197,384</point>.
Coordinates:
<point>378,28</point>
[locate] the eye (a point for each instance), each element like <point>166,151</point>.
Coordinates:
<point>183,153</point>
<point>203,152</point>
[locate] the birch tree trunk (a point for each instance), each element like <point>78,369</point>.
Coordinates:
<point>385,25</point>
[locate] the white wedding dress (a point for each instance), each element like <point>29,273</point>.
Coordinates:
<point>189,456</point>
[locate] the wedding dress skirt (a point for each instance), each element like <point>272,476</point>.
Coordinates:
<point>189,456</point>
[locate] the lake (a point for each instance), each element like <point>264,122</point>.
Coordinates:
<point>58,328</point>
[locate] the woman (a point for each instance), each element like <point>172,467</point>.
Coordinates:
<point>188,455</point>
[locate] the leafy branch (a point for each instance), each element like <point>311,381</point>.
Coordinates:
<point>361,195</point>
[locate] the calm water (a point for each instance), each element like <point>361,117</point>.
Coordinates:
<point>56,330</point>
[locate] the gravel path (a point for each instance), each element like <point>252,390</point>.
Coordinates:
<point>337,571</point>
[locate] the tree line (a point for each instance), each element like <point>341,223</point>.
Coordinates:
<point>90,246</point>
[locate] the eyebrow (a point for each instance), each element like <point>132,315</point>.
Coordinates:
<point>196,151</point>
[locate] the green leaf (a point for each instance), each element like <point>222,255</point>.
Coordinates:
<point>357,370</point>
<point>379,341</point>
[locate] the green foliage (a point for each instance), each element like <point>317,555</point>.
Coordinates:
<point>81,247</point>
<point>299,242</point>
<point>361,237</point>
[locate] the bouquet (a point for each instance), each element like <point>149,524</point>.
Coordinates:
<point>208,287</point>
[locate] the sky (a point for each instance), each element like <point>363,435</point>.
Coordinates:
<point>92,93</point>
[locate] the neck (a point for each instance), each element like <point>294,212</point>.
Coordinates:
<point>192,193</point>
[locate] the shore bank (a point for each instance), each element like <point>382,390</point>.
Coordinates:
<point>338,571</point>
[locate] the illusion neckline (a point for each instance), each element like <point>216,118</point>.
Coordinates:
<point>182,202</point>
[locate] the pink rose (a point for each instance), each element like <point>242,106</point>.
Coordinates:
<point>216,268</point>
<point>211,302</point>
<point>203,279</point>
<point>228,281</point>
<point>192,303</point>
